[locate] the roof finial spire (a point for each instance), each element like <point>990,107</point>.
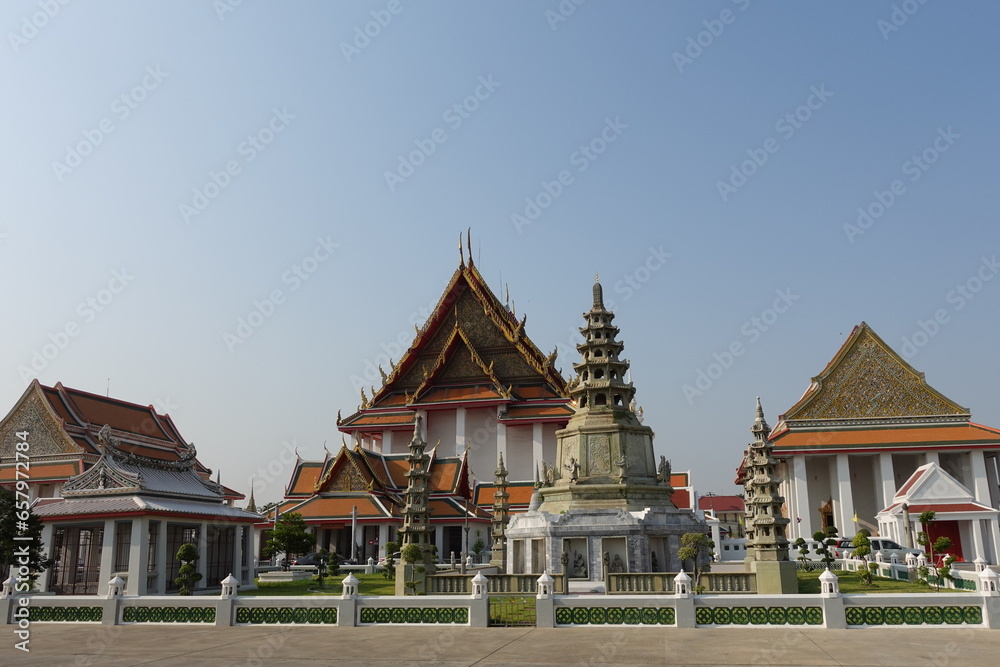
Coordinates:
<point>468,243</point>
<point>461,255</point>
<point>598,296</point>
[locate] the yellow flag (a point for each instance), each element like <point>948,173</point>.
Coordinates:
<point>855,519</point>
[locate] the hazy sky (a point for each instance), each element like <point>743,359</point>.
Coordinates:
<point>168,168</point>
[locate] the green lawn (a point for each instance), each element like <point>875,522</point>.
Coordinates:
<point>371,584</point>
<point>850,582</point>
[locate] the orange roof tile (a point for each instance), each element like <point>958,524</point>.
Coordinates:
<point>563,411</point>
<point>519,494</point>
<point>305,477</point>
<point>53,470</point>
<point>397,467</point>
<point>444,475</point>
<point>458,394</point>
<point>681,498</point>
<point>339,507</point>
<point>722,503</point>
<point>383,419</point>
<point>916,436</point>
<point>679,479</point>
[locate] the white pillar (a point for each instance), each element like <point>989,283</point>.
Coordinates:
<point>991,479</point>
<point>439,540</point>
<point>237,567</point>
<point>202,561</point>
<point>980,482</point>
<point>802,507</point>
<point>107,557</point>
<point>994,528</point>
<point>845,492</point>
<point>383,537</point>
<point>162,566</point>
<point>536,445</point>
<point>977,541</point>
<point>459,431</point>
<point>931,457</point>
<point>386,442</point>
<point>888,479</point>
<point>138,557</point>
<point>43,578</point>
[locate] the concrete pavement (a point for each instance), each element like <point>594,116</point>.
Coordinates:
<point>261,646</point>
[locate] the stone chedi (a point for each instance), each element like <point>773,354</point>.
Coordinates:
<point>767,528</point>
<point>416,513</point>
<point>604,505</point>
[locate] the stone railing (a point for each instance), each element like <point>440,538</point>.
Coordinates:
<point>652,583</point>
<point>461,584</point>
<point>828,609</point>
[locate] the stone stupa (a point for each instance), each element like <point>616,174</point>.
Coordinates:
<point>605,503</point>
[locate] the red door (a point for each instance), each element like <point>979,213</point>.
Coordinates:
<point>949,529</point>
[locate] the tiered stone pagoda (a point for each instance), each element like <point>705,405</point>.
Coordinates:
<point>416,512</point>
<point>767,528</point>
<point>605,504</point>
<point>501,516</point>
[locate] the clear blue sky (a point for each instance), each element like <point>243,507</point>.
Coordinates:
<point>116,115</point>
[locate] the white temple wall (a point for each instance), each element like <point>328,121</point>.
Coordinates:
<point>818,476</point>
<point>481,439</point>
<point>904,465</point>
<point>549,442</point>
<point>441,427</point>
<point>520,453</point>
<point>865,481</point>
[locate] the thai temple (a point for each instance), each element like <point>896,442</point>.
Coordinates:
<point>871,445</point>
<point>119,490</point>
<point>481,391</point>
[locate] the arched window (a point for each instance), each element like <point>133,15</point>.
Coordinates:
<point>600,399</point>
<point>598,353</point>
<point>583,402</point>
<point>598,373</point>
<point>618,399</point>
<point>586,376</point>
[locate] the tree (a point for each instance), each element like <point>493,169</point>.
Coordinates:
<point>862,550</point>
<point>827,540</point>
<point>389,571</point>
<point>12,550</point>
<point>411,554</point>
<point>290,536</point>
<point>695,547</point>
<point>188,573</point>
<point>803,548</point>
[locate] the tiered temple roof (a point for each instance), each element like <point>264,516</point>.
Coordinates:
<point>869,399</point>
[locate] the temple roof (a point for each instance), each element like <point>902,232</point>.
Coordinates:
<point>136,504</point>
<point>472,349</point>
<point>930,487</point>
<point>868,380</point>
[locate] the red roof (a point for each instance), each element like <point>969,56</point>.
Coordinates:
<point>923,437</point>
<point>721,503</point>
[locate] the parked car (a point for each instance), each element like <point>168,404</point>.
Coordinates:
<point>309,559</point>
<point>396,557</point>
<point>887,547</point>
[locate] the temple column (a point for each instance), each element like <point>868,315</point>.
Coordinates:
<point>994,556</point>
<point>237,564</point>
<point>977,541</point>
<point>459,431</point>
<point>980,481</point>
<point>536,444</point>
<point>162,566</point>
<point>991,479</point>
<point>803,511</point>
<point>138,557</point>
<point>46,541</point>
<point>439,540</point>
<point>844,490</point>
<point>931,457</point>
<point>386,442</point>
<point>888,479</point>
<point>383,538</point>
<point>202,562</point>
<point>107,557</point>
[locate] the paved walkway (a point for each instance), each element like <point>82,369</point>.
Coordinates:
<point>79,645</point>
